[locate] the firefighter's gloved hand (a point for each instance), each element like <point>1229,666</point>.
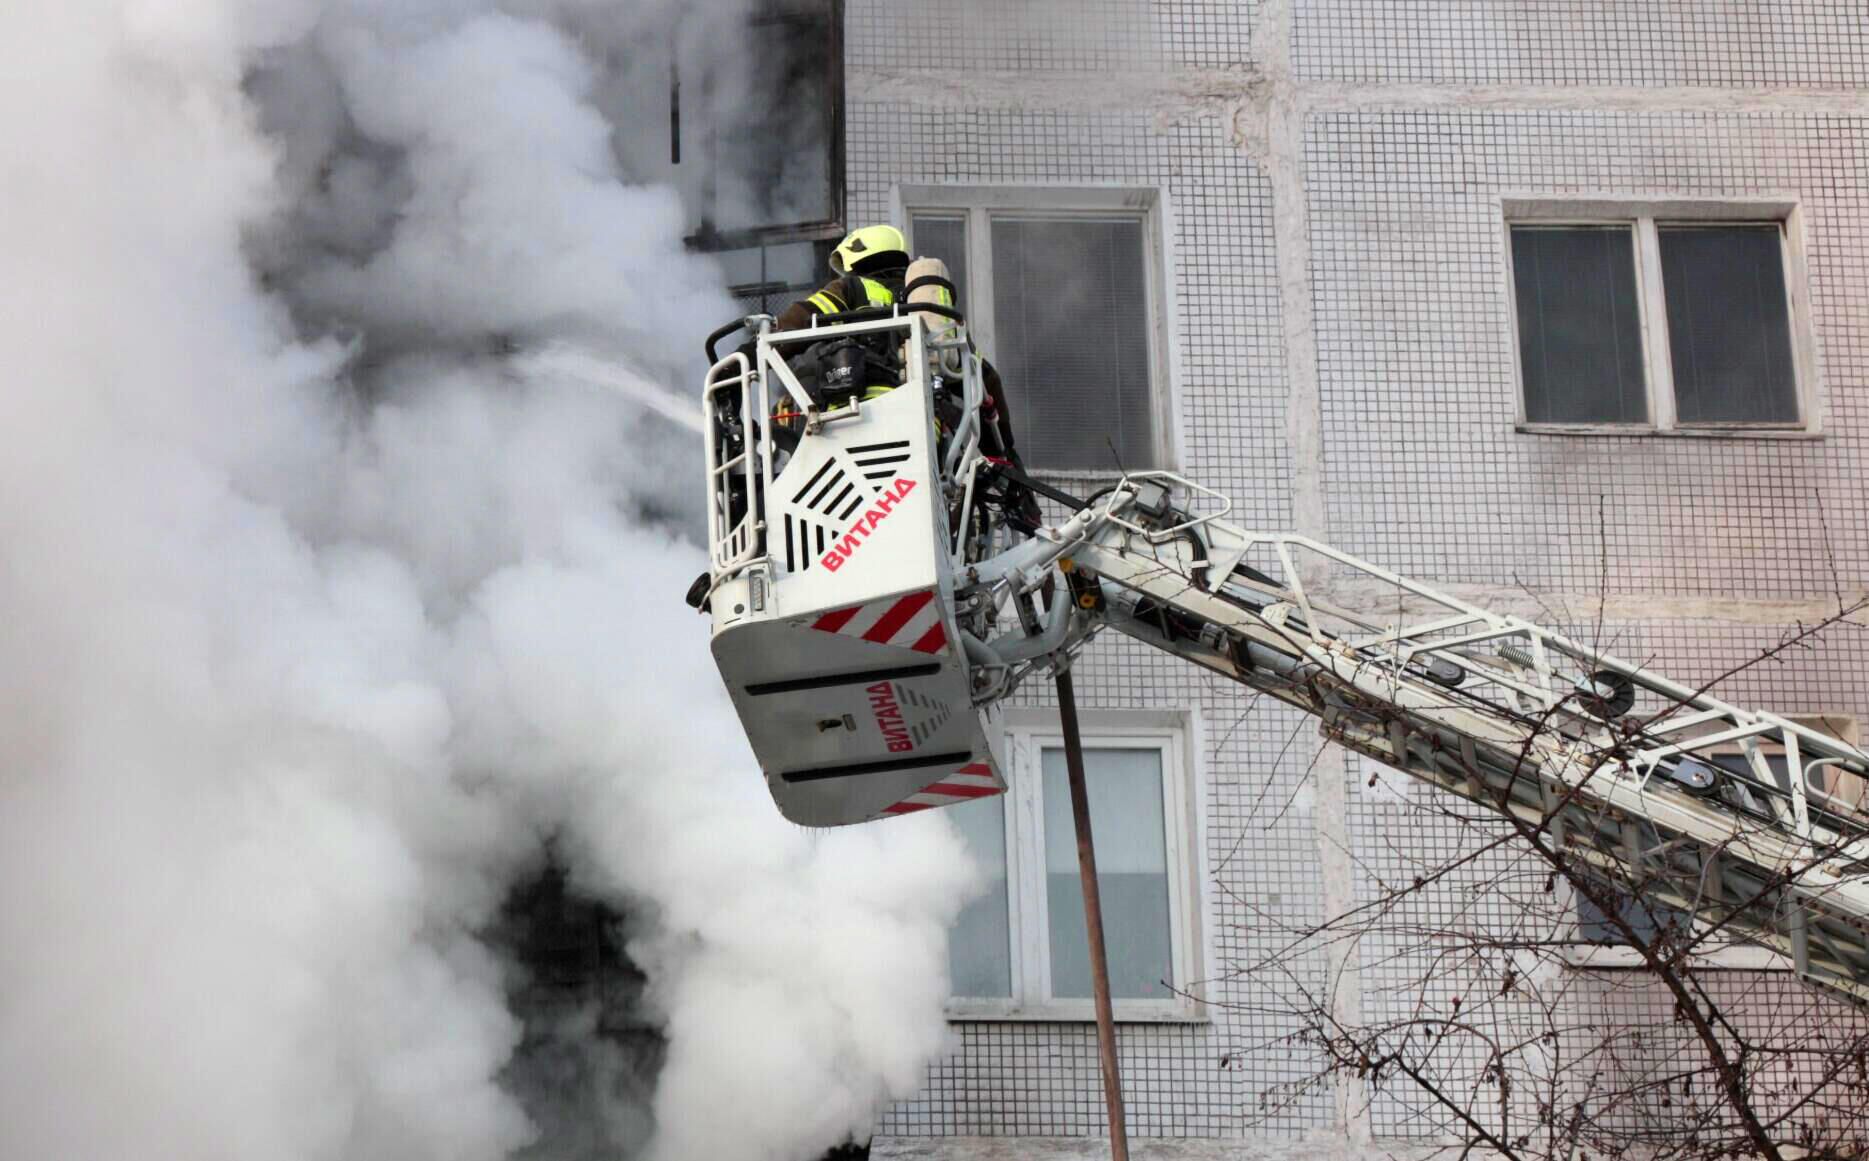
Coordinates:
<point>1027,508</point>
<point>697,593</point>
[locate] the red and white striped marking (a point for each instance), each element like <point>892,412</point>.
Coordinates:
<point>912,621</point>
<point>975,780</point>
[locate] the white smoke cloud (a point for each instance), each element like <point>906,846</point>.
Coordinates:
<point>323,603</point>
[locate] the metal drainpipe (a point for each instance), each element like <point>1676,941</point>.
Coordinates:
<point>1093,918</point>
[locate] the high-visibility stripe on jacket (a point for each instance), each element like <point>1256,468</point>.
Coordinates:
<point>831,300</point>
<point>877,293</point>
<point>835,298</point>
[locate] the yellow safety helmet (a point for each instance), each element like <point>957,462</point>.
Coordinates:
<point>862,245</point>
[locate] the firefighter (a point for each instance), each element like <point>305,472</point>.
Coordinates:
<point>871,265</point>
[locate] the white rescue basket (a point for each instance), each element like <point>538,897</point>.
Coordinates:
<point>832,589</point>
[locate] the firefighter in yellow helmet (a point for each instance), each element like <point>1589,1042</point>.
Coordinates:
<point>870,264</point>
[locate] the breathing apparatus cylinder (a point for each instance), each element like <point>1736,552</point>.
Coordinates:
<point>929,283</point>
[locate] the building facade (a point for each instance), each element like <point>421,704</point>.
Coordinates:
<point>1456,287</point>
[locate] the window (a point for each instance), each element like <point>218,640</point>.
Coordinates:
<point>1580,340</point>
<point>1647,917</point>
<point>1020,950</point>
<point>754,142</point>
<point>1835,799</point>
<point>1603,946</point>
<point>1061,290</point>
<point>1675,318</point>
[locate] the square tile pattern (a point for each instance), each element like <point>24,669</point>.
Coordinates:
<point>1422,469</point>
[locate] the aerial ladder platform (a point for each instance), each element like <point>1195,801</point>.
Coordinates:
<point>878,584</point>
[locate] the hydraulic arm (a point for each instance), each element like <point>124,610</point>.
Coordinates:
<point>1735,816</point>
<point>875,593</point>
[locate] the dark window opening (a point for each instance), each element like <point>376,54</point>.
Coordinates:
<point>756,143</point>
<point>1071,314</point>
<point>1649,919</point>
<point>1715,294</point>
<point>1729,324</point>
<point>1580,329</point>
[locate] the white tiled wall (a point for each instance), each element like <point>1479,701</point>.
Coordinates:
<point>1413,119</point>
<point>1047,36</point>
<point>1416,362</point>
<point>1649,43</point>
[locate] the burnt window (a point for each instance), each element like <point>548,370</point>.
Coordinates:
<point>755,141</point>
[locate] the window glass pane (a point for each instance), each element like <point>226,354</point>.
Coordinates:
<point>1833,790</point>
<point>1738,764</point>
<point>943,237</point>
<point>1729,324</point>
<point>1580,338</point>
<point>1646,917</point>
<point>1070,302</point>
<point>978,949</point>
<point>769,277</point>
<point>1132,873</point>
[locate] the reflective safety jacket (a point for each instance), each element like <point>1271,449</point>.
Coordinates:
<point>851,292</point>
<point>854,291</point>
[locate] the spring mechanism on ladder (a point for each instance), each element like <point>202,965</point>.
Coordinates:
<point>1605,693</point>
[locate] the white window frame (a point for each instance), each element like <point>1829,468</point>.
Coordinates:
<point>1147,204</point>
<point>1645,217</point>
<point>1027,734</point>
<point>1845,727</point>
